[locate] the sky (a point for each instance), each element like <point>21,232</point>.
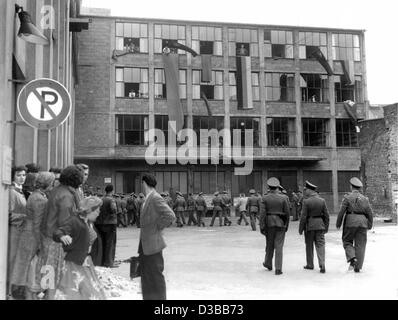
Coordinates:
<point>378,18</point>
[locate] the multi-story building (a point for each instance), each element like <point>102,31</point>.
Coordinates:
<point>301,129</point>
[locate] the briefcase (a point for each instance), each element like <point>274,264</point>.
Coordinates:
<point>135,267</point>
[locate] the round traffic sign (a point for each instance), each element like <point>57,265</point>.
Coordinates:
<point>44,104</point>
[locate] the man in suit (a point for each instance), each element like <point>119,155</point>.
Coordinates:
<point>357,215</point>
<point>315,223</point>
<point>155,216</point>
<point>274,222</point>
<point>241,208</point>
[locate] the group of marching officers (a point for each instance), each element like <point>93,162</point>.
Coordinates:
<point>273,212</point>
<point>355,215</point>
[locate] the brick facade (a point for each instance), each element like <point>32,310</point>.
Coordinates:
<point>379,167</point>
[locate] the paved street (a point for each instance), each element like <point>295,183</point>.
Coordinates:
<point>226,263</point>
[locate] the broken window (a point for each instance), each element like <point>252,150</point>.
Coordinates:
<point>315,132</point>
<point>207,40</point>
<point>243,42</point>
<point>160,84</point>
<point>314,87</point>
<point>213,90</point>
<point>278,44</point>
<point>131,130</point>
<point>166,32</point>
<point>243,124</point>
<point>281,132</point>
<point>132,83</point>
<point>346,47</point>
<point>280,87</point>
<point>346,135</point>
<point>132,37</point>
<point>345,92</point>
<point>312,39</point>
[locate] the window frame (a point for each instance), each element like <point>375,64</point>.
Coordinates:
<point>167,35</point>
<point>142,35</point>
<point>274,132</point>
<point>143,130</point>
<point>145,84</point>
<point>351,133</point>
<point>272,88</point>
<point>307,131</point>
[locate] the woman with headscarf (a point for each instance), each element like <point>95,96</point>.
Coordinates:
<point>29,242</point>
<point>63,202</point>
<point>17,214</point>
<point>79,280</point>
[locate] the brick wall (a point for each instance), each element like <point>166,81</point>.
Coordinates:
<point>379,149</point>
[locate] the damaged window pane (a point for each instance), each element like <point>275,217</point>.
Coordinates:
<point>315,132</point>
<point>314,88</point>
<point>281,132</point>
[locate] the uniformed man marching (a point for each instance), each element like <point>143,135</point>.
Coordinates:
<point>191,210</point>
<point>201,209</point>
<point>226,212</point>
<point>179,209</point>
<point>314,222</point>
<point>274,222</point>
<point>253,208</point>
<point>357,215</point>
<point>218,204</point>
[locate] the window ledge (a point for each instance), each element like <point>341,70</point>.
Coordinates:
<point>125,98</point>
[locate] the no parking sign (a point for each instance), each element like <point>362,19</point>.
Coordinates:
<point>44,104</point>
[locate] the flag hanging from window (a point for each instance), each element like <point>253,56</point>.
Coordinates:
<point>349,72</point>
<point>174,106</point>
<point>244,82</point>
<point>206,68</point>
<point>318,55</point>
<point>351,109</point>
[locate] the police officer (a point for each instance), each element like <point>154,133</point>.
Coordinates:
<point>218,204</point>
<point>253,208</point>
<point>201,209</point>
<point>179,209</point>
<point>315,223</point>
<point>191,210</point>
<point>274,222</point>
<point>226,208</point>
<point>357,215</point>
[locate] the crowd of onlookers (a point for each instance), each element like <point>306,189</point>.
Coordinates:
<point>52,235</point>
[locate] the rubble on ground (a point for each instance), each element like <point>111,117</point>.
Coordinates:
<point>117,287</point>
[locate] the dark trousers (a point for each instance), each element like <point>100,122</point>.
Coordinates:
<point>318,238</point>
<point>107,232</point>
<point>275,240</point>
<point>226,212</point>
<point>354,243</point>
<point>130,217</point>
<point>121,219</point>
<point>253,217</point>
<point>215,213</point>
<point>242,215</point>
<point>180,218</point>
<point>199,215</point>
<point>191,217</point>
<point>153,284</point>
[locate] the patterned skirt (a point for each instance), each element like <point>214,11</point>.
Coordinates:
<point>79,282</point>
<point>49,266</point>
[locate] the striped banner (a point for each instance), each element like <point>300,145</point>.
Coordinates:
<point>174,106</point>
<point>244,82</point>
<point>206,68</point>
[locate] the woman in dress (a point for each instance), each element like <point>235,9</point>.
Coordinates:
<point>29,242</point>
<point>17,214</point>
<point>63,202</point>
<point>79,280</point>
